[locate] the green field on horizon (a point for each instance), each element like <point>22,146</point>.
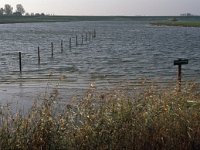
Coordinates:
<point>182,24</point>
<point>31,19</point>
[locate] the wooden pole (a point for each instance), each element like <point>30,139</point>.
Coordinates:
<point>38,55</point>
<point>179,73</point>
<point>70,43</point>
<point>20,62</point>
<point>76,40</point>
<point>61,46</point>
<point>179,63</point>
<point>179,77</point>
<point>51,49</point>
<point>82,39</point>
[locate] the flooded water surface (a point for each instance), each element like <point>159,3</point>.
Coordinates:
<point>122,50</point>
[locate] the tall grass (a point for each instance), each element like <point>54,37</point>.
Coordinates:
<point>116,119</point>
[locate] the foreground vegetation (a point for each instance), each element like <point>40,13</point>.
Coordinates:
<point>127,118</point>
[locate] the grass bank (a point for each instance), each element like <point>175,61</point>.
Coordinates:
<point>178,23</point>
<point>115,119</point>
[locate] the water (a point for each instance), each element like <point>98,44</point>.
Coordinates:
<point>122,50</point>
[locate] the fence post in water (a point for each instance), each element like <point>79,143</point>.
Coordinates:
<point>20,62</point>
<point>179,63</point>
<point>51,49</point>
<point>38,55</point>
<point>76,40</point>
<point>61,46</point>
<point>70,43</point>
<point>81,39</point>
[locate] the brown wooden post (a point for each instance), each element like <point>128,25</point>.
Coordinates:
<point>76,40</point>
<point>179,74</point>
<point>61,44</point>
<point>38,55</point>
<point>70,43</point>
<point>179,63</point>
<point>51,49</point>
<point>20,62</point>
<point>81,39</point>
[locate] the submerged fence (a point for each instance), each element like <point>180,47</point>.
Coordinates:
<point>89,36</point>
<point>75,41</point>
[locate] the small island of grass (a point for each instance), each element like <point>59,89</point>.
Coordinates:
<point>178,23</point>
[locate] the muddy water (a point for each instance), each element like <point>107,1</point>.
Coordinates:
<point>121,51</point>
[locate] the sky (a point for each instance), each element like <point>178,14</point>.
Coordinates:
<point>108,7</point>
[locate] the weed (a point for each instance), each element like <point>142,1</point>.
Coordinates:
<point>116,119</point>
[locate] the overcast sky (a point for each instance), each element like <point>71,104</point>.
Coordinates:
<point>108,7</point>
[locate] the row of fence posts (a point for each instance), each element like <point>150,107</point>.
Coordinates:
<point>88,37</point>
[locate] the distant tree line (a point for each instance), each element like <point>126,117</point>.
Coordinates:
<point>7,10</point>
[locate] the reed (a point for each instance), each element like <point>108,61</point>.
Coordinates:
<point>118,118</point>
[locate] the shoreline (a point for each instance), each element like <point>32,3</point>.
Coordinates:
<point>155,19</point>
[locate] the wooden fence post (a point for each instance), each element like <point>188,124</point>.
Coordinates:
<point>51,49</point>
<point>81,39</point>
<point>20,62</point>
<point>38,55</point>
<point>70,43</point>
<point>76,40</point>
<point>61,46</point>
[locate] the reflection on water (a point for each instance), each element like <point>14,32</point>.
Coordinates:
<point>121,51</point>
